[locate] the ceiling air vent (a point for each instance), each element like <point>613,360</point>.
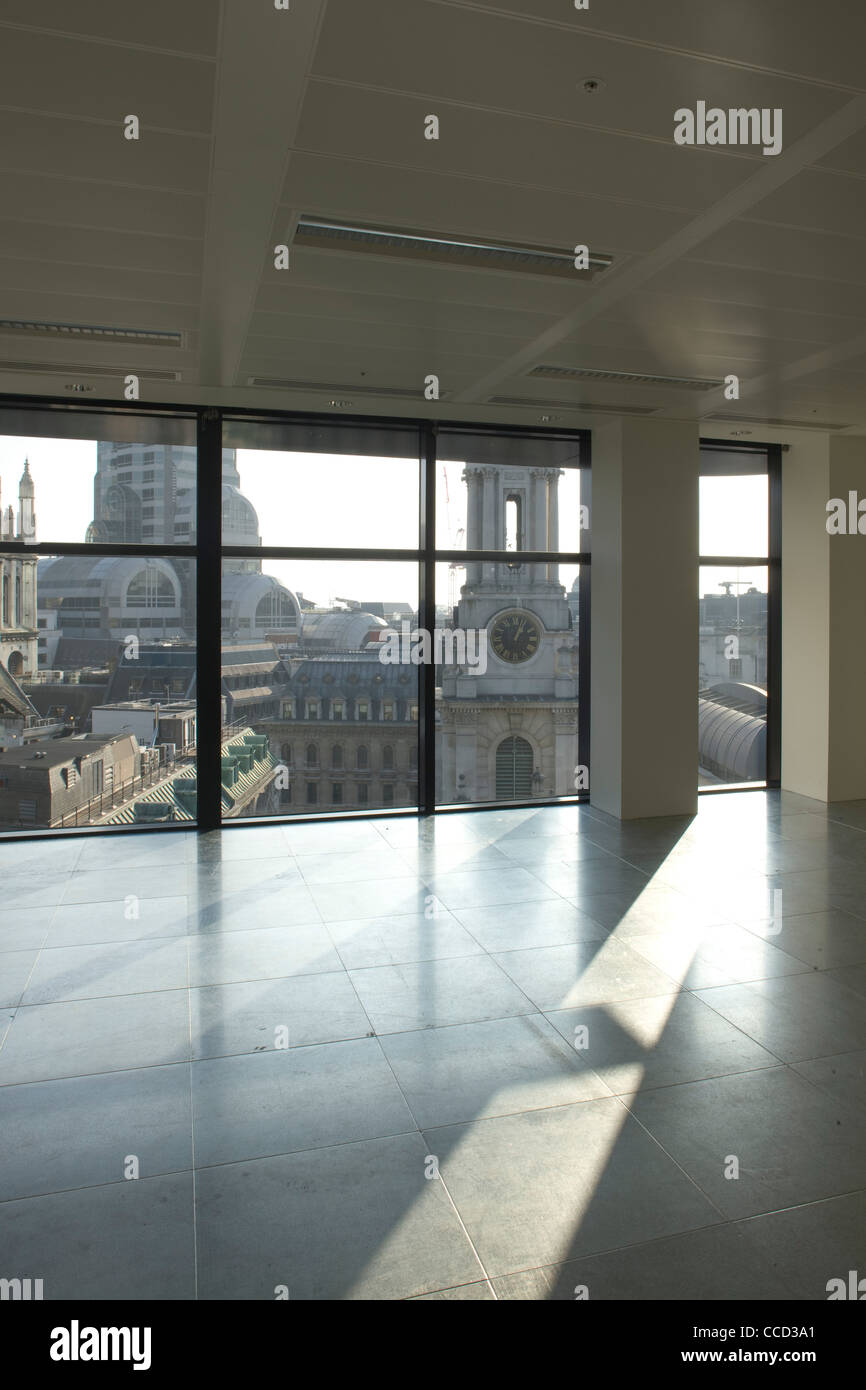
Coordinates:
<point>79,369</point>
<point>80,332</point>
<point>771,420</point>
<point>683,383</point>
<point>587,407</point>
<point>402,244</point>
<point>276,383</point>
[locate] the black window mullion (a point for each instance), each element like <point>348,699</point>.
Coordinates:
<point>427,622</point>
<point>209,619</point>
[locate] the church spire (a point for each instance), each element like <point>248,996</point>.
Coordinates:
<point>26,506</point>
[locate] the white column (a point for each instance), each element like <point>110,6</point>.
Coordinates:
<point>644,717</point>
<point>823,622</point>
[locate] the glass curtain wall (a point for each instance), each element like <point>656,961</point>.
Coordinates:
<point>208,617</point>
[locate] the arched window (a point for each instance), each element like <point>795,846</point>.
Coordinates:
<point>150,588</point>
<point>363,756</point>
<point>18,617</point>
<point>312,755</point>
<point>275,610</point>
<point>388,758</point>
<point>6,600</point>
<point>514,522</point>
<point>15,664</point>
<point>337,755</point>
<point>513,770</point>
<point>286,753</point>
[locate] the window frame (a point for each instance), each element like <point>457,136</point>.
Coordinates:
<point>207,553</point>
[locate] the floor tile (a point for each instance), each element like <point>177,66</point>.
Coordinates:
<point>569,1181</point>
<point>810,1245</point>
<point>261,1015</point>
<point>397,940</point>
<point>843,1077</point>
<point>716,1263</point>
<point>517,926</point>
<point>586,972</point>
<point>436,993</point>
<point>300,1098</point>
<point>720,955</point>
<point>825,940</point>
<point>339,902</point>
<point>795,1016</point>
<point>24,929</point>
<point>46,1041</point>
<point>793,1142</point>
<point>16,968</point>
<point>488,887</point>
<point>89,972</point>
<point>359,1221</point>
<point>289,906</point>
<point>116,884</point>
<point>359,866</point>
<point>135,919</point>
<point>496,1068</point>
<point>131,1240</point>
<point>141,1114</point>
<point>638,1043</point>
<point>228,957</point>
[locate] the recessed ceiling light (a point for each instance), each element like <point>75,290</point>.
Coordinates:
<point>592,85</point>
<point>547,419</point>
<point>340,405</point>
<point>736,433</point>
<point>78,386</point>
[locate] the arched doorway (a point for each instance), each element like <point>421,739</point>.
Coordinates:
<point>513,770</point>
<point>15,664</point>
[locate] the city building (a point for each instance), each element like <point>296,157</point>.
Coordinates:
<point>510,732</point>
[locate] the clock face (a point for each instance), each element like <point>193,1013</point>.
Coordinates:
<point>515,636</point>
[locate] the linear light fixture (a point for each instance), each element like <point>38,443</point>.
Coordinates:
<point>588,407</point>
<point>276,383</point>
<point>80,369</point>
<point>776,420</point>
<point>684,383</point>
<point>335,235</point>
<point>73,332</point>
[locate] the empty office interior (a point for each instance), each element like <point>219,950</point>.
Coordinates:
<point>432,651</point>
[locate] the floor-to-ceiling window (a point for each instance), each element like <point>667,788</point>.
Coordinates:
<point>98,646</point>
<point>738,661</point>
<point>216,616</point>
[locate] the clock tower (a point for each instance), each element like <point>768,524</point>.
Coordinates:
<point>511,732</point>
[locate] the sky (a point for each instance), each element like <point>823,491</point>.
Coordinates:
<point>311,499</point>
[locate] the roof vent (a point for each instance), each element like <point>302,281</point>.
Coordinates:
<point>403,244</point>
<point>682,383</point>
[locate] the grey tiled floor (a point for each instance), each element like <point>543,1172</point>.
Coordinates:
<point>502,1055</point>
